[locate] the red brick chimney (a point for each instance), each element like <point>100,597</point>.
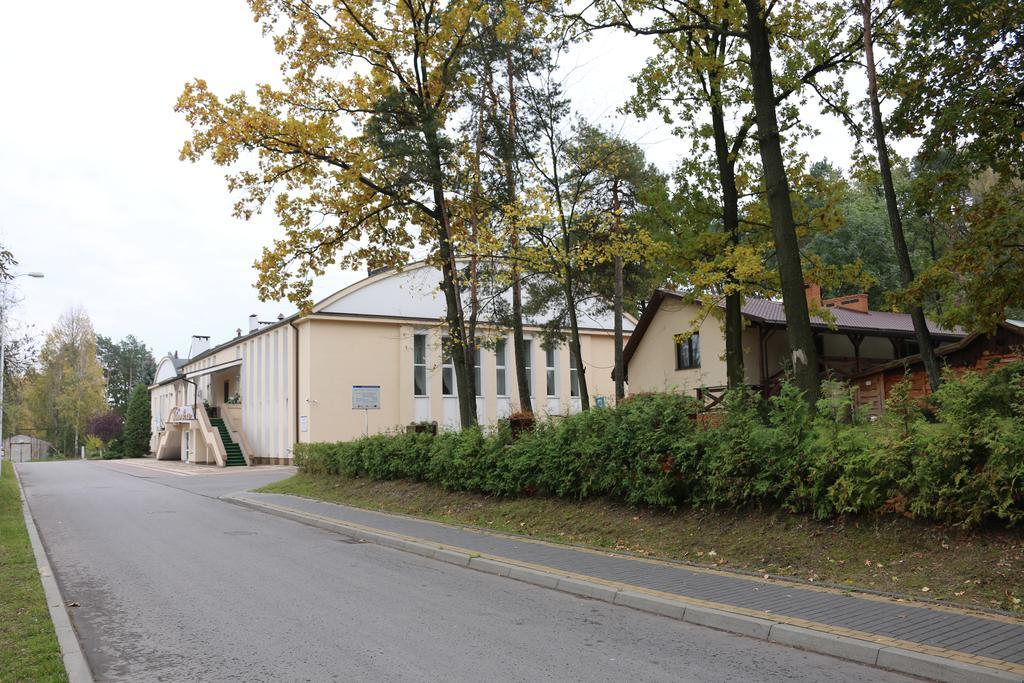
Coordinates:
<point>813,292</point>
<point>850,302</point>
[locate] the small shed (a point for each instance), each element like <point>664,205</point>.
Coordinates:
<point>980,351</point>
<point>22,448</point>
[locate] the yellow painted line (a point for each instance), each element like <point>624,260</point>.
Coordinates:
<point>884,641</point>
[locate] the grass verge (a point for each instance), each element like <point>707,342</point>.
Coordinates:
<point>980,568</point>
<point>28,642</point>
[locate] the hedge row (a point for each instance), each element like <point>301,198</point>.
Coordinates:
<point>959,460</point>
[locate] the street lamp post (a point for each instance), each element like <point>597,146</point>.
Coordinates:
<point>3,354</point>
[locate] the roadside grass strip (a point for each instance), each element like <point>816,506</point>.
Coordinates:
<point>28,642</point>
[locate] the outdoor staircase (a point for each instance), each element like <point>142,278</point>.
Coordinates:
<point>232,449</point>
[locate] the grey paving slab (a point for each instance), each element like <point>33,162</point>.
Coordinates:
<point>913,623</point>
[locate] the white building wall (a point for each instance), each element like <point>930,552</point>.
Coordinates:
<point>266,391</point>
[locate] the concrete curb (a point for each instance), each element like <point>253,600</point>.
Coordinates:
<point>75,663</point>
<point>854,649</point>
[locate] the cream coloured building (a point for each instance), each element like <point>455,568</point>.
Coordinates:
<point>378,341</point>
<point>855,339</point>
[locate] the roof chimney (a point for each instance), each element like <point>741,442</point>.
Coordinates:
<point>253,324</point>
<point>813,292</point>
<point>280,317</point>
<point>238,332</point>
<point>199,344</point>
<point>850,302</point>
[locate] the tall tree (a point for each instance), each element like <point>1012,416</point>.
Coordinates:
<point>125,364</point>
<point>356,147</point>
<point>954,74</point>
<point>510,49</point>
<point>899,240</point>
<point>564,175</point>
<point>18,370</point>
<point>70,388</point>
<point>701,43</point>
<point>630,195</point>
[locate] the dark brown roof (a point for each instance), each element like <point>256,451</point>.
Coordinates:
<point>768,312</point>
<point>880,322</point>
<point>939,352</point>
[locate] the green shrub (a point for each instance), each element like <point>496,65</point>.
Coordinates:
<point>963,463</point>
<point>137,423</point>
<point>755,453</point>
<point>971,464</point>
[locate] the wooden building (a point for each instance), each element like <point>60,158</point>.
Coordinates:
<point>975,352</point>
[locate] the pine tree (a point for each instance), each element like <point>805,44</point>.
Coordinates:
<point>137,424</point>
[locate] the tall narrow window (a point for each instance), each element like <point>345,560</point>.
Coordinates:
<point>549,371</point>
<point>419,364</point>
<point>574,376</point>
<point>499,367</point>
<point>478,375</point>
<point>688,353</point>
<point>447,368</point>
<point>528,363</point>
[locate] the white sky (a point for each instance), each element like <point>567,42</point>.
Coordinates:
<point>91,189</point>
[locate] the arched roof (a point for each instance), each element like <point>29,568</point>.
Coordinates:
<point>414,293</point>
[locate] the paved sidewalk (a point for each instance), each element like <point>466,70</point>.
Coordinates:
<point>934,632</point>
<point>186,469</point>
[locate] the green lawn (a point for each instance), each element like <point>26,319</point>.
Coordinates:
<point>983,568</point>
<point>28,643</point>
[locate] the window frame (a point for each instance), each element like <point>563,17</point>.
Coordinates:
<point>692,346</point>
<point>478,372</point>
<point>574,376</point>
<point>419,339</point>
<point>528,364</point>
<point>447,369</point>
<point>551,372</point>
<point>500,368</point>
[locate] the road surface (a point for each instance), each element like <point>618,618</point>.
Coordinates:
<point>173,584</point>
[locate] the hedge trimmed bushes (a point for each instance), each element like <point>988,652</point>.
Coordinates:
<point>961,462</point>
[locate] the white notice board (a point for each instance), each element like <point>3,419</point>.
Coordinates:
<point>365,397</point>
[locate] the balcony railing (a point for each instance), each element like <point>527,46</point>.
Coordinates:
<point>181,414</point>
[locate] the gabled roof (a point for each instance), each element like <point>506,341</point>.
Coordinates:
<point>768,312</point>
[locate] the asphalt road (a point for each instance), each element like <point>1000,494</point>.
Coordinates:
<point>172,584</point>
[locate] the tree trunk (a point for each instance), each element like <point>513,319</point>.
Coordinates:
<point>518,340</point>
<point>787,249</point>
<point>924,340</point>
<point>734,370</point>
<point>574,337</point>
<point>474,231</point>
<point>567,278</point>
<point>620,370</point>
<point>461,354</point>
<point>731,224</point>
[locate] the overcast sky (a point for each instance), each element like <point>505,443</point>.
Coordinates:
<point>91,189</point>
